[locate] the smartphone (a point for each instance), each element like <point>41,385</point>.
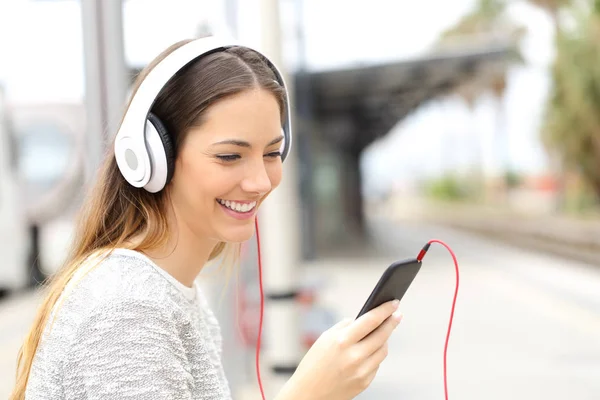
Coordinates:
<point>393,284</point>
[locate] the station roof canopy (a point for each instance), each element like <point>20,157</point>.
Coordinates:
<point>381,95</point>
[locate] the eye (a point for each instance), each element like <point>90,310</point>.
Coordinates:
<point>228,157</point>
<point>274,154</point>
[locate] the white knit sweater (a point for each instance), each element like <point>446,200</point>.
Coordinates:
<point>129,330</point>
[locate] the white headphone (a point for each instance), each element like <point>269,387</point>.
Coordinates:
<point>144,150</point>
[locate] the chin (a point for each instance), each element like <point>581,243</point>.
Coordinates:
<point>238,234</point>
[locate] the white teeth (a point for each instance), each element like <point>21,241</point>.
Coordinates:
<point>239,207</point>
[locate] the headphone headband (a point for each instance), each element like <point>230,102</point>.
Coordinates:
<point>131,133</point>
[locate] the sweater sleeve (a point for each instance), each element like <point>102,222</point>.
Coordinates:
<point>127,350</point>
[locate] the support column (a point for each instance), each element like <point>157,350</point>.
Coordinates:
<point>353,196</point>
<point>280,241</point>
<point>105,76</point>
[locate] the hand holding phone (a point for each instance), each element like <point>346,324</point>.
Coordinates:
<point>393,284</point>
<point>343,362</point>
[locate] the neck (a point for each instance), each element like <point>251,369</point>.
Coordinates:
<point>185,254</point>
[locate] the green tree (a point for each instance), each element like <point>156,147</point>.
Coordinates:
<point>552,7</point>
<point>571,130</point>
<point>487,24</point>
<point>571,127</point>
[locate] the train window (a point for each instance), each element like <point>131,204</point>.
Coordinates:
<point>45,151</point>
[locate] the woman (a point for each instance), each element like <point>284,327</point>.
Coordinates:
<point>124,318</point>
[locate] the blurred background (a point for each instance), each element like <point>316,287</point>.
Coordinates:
<point>476,122</point>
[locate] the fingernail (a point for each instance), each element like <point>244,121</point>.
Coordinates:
<point>396,303</point>
<point>397,315</point>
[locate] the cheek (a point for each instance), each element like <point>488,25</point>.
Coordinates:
<point>199,183</point>
<point>275,173</point>
<point>212,183</point>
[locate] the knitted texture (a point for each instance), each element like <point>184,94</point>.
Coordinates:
<point>125,329</point>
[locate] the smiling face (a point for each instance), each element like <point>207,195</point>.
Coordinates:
<point>228,165</point>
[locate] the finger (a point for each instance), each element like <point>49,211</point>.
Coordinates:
<point>367,376</point>
<point>368,322</point>
<point>373,362</point>
<point>343,323</point>
<point>379,336</point>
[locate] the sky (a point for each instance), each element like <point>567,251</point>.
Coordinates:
<point>42,61</point>
<point>41,41</point>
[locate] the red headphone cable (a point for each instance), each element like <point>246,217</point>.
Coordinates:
<point>419,258</point>
<point>262,309</point>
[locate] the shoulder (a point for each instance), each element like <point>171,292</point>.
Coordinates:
<point>122,276</point>
<point>126,323</point>
<point>118,286</point>
<point>121,324</point>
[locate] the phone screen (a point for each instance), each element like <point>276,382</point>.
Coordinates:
<point>393,284</point>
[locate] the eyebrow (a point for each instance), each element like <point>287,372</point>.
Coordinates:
<point>243,143</point>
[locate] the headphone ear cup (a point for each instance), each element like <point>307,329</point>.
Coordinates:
<point>162,154</point>
<point>167,144</point>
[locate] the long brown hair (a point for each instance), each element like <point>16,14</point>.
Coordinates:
<point>114,211</point>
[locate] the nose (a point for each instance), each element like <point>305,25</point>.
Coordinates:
<point>257,179</point>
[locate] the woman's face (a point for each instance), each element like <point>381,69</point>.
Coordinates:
<point>227,166</point>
